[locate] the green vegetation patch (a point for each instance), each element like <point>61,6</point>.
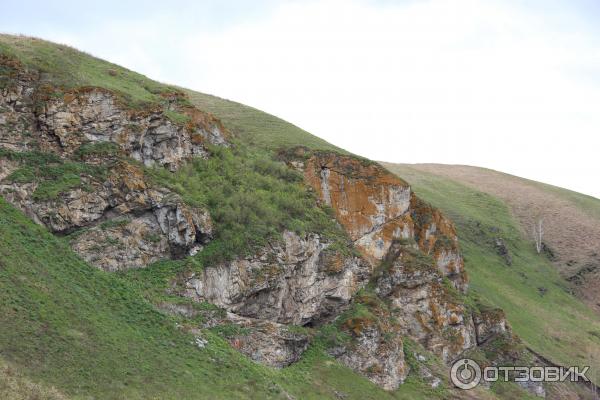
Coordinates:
<point>177,117</point>
<point>256,128</point>
<point>98,149</point>
<point>69,68</point>
<point>251,199</point>
<point>92,334</point>
<point>53,175</point>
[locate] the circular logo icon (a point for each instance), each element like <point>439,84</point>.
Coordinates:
<point>465,374</point>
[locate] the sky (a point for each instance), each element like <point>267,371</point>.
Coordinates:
<point>508,85</point>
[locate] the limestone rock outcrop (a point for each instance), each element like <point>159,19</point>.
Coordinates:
<point>490,323</point>
<point>119,223</point>
<point>95,115</point>
<point>297,281</point>
<point>428,310</point>
<point>413,252</point>
<point>267,342</point>
<point>376,348</point>
<point>376,208</point>
<point>116,218</point>
<point>381,360</point>
<point>17,121</point>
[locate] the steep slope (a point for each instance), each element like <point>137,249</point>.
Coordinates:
<point>571,221</point>
<point>537,300</point>
<point>257,128</point>
<point>90,333</point>
<point>13,385</point>
<point>222,259</point>
<point>68,68</point>
<point>86,331</point>
<point>134,178</point>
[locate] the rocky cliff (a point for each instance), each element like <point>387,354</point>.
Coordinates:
<point>300,282</point>
<point>74,161</point>
<point>69,162</point>
<point>409,281</point>
<point>417,274</point>
<point>377,208</point>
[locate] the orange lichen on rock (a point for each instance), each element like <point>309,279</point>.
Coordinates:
<point>376,207</point>
<point>357,325</point>
<point>199,119</point>
<point>363,196</point>
<point>127,176</point>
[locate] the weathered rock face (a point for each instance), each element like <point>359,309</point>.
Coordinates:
<point>267,342</point>
<point>118,223</point>
<point>376,207</point>
<point>410,255</point>
<point>7,167</point>
<point>413,244</point>
<point>417,269</point>
<point>378,358</point>
<point>34,116</point>
<point>376,349</point>
<point>427,310</point>
<point>94,115</point>
<point>296,282</point>
<point>489,324</point>
<point>117,220</point>
<point>364,197</point>
<point>17,120</point>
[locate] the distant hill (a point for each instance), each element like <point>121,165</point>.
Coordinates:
<point>571,220</point>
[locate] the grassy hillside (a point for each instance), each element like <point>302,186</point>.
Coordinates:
<point>91,333</point>
<point>94,334</point>
<point>537,300</point>
<point>67,67</point>
<point>571,221</point>
<point>258,128</point>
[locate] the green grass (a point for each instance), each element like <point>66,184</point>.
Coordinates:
<point>93,335</point>
<point>69,68</point>
<point>90,333</point>
<point>99,149</point>
<point>257,128</point>
<point>98,335</point>
<point>251,199</point>
<point>177,118</point>
<point>554,322</point>
<point>52,174</point>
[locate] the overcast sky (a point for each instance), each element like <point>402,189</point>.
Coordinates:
<point>508,85</point>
